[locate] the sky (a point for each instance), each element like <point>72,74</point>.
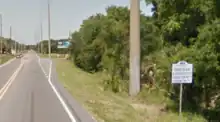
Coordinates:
<point>24,16</point>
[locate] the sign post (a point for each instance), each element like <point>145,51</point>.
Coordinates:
<point>182,73</point>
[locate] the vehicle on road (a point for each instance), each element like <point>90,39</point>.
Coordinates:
<point>19,55</point>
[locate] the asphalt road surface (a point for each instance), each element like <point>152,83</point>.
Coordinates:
<point>26,95</point>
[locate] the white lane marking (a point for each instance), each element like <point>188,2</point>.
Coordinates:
<point>43,70</point>
<point>8,80</point>
<point>65,107</point>
<point>38,56</point>
<point>5,88</point>
<point>41,66</point>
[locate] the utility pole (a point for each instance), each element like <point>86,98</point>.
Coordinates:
<point>38,46</point>
<point>134,86</point>
<point>70,35</point>
<point>15,47</point>
<point>49,40</point>
<point>41,36</point>
<point>15,43</point>
<point>23,46</point>
<point>11,37</point>
<point>1,32</point>
<point>19,47</point>
<point>36,40</point>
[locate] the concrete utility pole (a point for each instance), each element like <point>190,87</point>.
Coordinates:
<point>1,32</point>
<point>11,37</point>
<point>49,41</point>
<point>69,35</point>
<point>36,40</point>
<point>15,43</point>
<point>134,86</point>
<point>38,44</point>
<point>15,47</point>
<point>41,36</point>
<point>19,47</point>
<point>23,46</point>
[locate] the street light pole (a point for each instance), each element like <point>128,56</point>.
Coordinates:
<point>134,86</point>
<point>49,40</point>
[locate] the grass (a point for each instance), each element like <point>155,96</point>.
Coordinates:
<point>106,106</point>
<point>53,55</point>
<point>43,55</point>
<point>4,58</point>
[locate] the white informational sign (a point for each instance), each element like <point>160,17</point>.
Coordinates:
<point>182,72</point>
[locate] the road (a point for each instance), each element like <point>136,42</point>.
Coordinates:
<point>28,96</point>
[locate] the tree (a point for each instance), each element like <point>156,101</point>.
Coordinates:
<point>194,24</point>
<point>178,30</point>
<point>8,44</point>
<point>102,43</point>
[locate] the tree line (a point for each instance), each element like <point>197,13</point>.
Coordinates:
<point>178,30</point>
<point>42,47</point>
<point>9,44</point>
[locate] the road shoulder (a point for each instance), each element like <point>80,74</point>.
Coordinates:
<point>78,111</point>
<point>104,105</point>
